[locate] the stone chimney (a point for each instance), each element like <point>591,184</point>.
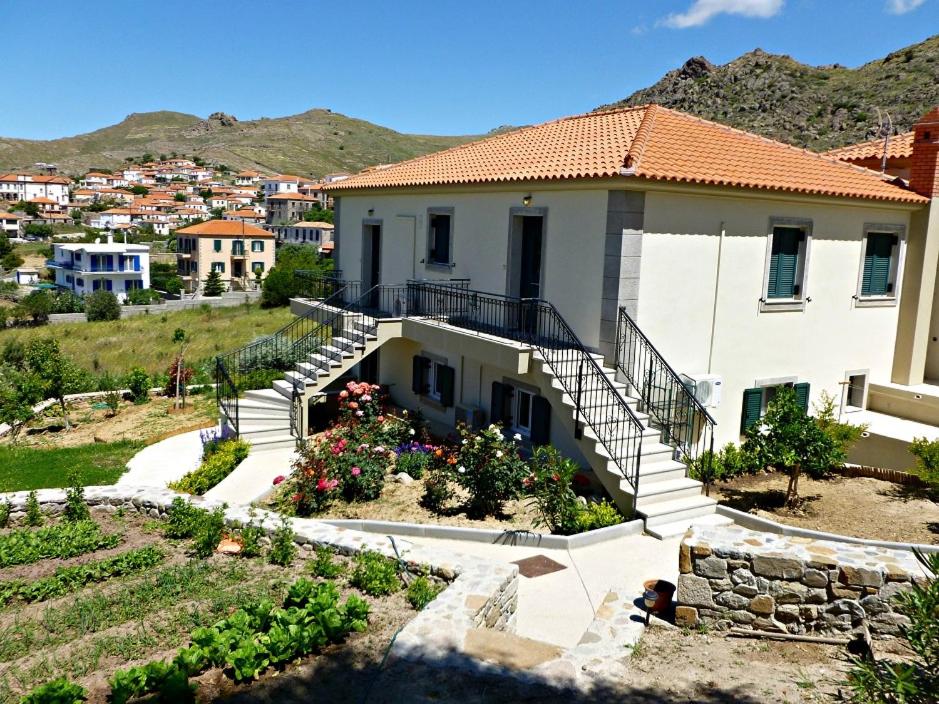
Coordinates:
<point>924,167</point>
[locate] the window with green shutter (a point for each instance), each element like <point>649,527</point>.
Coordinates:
<point>217,245</point>
<point>802,395</point>
<point>878,264</point>
<point>784,263</point>
<point>752,407</point>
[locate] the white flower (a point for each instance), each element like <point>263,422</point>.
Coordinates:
<point>517,437</point>
<point>461,469</point>
<point>465,441</point>
<point>411,431</point>
<point>498,453</point>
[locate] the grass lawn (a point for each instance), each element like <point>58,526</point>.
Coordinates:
<point>147,340</point>
<point>23,467</point>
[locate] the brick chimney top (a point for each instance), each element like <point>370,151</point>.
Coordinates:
<point>924,167</point>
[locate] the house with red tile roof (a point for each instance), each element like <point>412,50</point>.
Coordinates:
<point>633,286</point>
<point>240,252</point>
<point>890,155</point>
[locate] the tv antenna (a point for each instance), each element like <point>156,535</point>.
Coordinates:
<point>885,130</point>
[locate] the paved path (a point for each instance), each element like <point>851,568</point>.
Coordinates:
<point>253,477</point>
<point>558,607</point>
<point>164,461</point>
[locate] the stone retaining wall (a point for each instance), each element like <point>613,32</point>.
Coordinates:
<point>226,300</point>
<point>481,593</point>
<point>731,576</point>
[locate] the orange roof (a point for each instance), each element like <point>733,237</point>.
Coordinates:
<point>35,179</point>
<point>316,224</point>
<point>224,228</point>
<point>290,196</point>
<point>899,146</point>
<point>10,216</point>
<point>42,200</point>
<point>647,142</point>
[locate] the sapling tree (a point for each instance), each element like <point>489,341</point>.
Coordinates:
<point>789,440</point>
<point>60,376</point>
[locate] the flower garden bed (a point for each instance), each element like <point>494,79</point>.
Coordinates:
<point>377,464</point>
<point>119,604</point>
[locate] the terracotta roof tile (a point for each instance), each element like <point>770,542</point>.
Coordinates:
<point>899,146</point>
<point>234,228</point>
<point>648,142</point>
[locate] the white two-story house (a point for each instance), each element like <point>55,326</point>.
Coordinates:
<point>630,286</point>
<point>109,266</point>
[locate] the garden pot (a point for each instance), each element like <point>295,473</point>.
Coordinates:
<point>665,591</point>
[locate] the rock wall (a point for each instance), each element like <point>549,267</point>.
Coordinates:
<point>731,576</point>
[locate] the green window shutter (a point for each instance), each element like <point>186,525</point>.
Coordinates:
<point>419,367</point>
<point>752,405</point>
<point>500,403</point>
<point>540,421</point>
<point>445,382</point>
<point>218,245</point>
<point>784,262</point>
<point>878,258</point>
<point>802,395</point>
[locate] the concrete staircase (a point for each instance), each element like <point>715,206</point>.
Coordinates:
<point>264,419</point>
<point>668,500</point>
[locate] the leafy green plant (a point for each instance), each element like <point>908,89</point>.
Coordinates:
<point>490,470</point>
<point>283,549</point>
<point>926,452</point>
<point>182,519</point>
<point>914,680</point>
<point>69,579</point>
<point>414,463</point>
<point>600,514</point>
<point>138,382</point>
<point>209,532</point>
<point>25,546</point>
<point>6,508</point>
<point>323,565</point>
<point>102,305</point>
<point>421,592</point>
<point>550,487</point>
<point>227,455</point>
<point>250,535</point>
<point>438,489</point>
<point>727,463</point>
<point>75,507</point>
<point>375,574</point>
<point>33,512</point>
<point>59,691</point>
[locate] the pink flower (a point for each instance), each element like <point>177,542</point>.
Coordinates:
<point>343,394</point>
<point>380,419</point>
<point>359,414</point>
<point>366,398</point>
<point>355,471</point>
<point>278,479</point>
<point>353,405</point>
<point>379,449</point>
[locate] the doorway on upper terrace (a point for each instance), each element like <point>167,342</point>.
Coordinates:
<point>526,252</point>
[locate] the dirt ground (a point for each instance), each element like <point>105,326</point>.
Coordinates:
<point>132,422</point>
<point>856,506</point>
<point>401,502</point>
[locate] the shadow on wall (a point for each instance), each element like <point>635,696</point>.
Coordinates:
<point>347,677</point>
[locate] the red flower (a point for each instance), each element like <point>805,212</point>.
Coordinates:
<point>278,479</point>
<point>296,497</point>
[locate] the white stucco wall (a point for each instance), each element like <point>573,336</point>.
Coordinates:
<point>819,344</point>
<point>572,264</point>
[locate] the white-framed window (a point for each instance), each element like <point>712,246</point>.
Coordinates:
<point>787,258</point>
<point>219,267</point>
<point>881,265</point>
<point>523,401</point>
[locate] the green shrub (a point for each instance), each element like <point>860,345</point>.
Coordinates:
<point>25,546</point>
<point>913,680</point>
<point>323,565</point>
<point>59,691</point>
<point>142,297</point>
<point>926,453</point>
<point>413,463</point>
<point>102,305</point>
<point>138,381</point>
<point>490,470</point>
<point>75,507</point>
<point>283,548</point>
<point>551,491</point>
<point>729,462</point>
<point>6,508</point>
<point>375,574</point>
<point>33,511</point>
<point>601,514</point>
<point>209,532</point>
<point>421,592</point>
<point>251,535</point>
<point>227,455</point>
<point>438,489</point>
<point>182,519</point>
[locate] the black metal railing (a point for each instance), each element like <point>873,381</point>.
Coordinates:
<point>598,405</point>
<point>226,394</point>
<point>669,401</point>
<point>317,285</point>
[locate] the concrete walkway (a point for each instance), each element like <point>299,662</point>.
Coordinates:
<point>557,608</point>
<point>254,477</point>
<point>164,461</point>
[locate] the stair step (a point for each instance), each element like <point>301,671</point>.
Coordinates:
<point>253,433</point>
<point>262,396</point>
<point>311,372</point>
<point>323,362</point>
<point>257,415</point>
<point>667,490</point>
<point>284,388</point>
<point>663,470</point>
<point>347,344</point>
<point>300,380</point>
<point>676,510</point>
<point>274,406</point>
<point>285,439</point>
<point>676,528</point>
<point>336,353</point>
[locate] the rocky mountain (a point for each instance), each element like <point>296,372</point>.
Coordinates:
<point>819,107</point>
<point>312,143</point>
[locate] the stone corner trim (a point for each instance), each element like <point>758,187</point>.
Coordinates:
<point>732,576</point>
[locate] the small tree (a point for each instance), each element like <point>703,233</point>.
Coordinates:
<point>180,197</point>
<point>139,190</point>
<point>58,374</point>
<point>214,286</point>
<point>790,441</point>
<point>926,452</point>
<point>179,374</point>
<point>38,305</point>
<point>19,392</point>
<point>102,305</point>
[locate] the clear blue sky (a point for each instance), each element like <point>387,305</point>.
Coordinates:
<point>438,67</point>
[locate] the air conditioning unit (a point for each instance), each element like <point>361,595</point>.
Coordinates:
<point>474,418</point>
<point>705,387</point>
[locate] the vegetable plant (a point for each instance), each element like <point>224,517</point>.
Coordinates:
<point>375,574</point>
<point>25,546</point>
<point>75,507</point>
<point>323,565</point>
<point>283,549</point>
<point>33,512</point>
<point>421,592</point>
<point>59,691</point>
